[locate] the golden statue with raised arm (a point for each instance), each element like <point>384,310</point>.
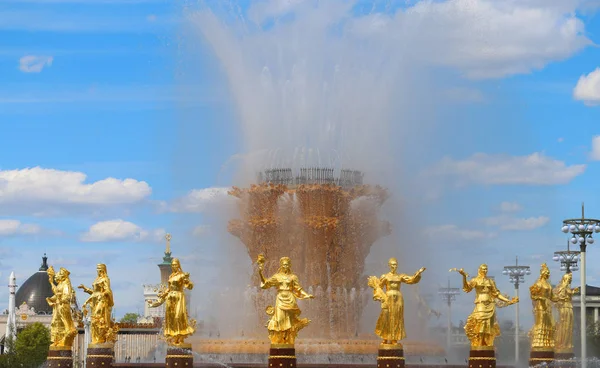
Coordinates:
<point>564,304</point>
<point>176,326</point>
<point>284,323</point>
<point>100,302</point>
<point>62,327</point>
<point>482,326</point>
<point>542,332</point>
<point>390,324</point>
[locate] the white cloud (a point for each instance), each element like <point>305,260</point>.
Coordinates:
<point>510,207</point>
<point>34,64</point>
<point>15,227</point>
<point>502,169</point>
<point>595,152</point>
<point>588,88</point>
<point>44,190</point>
<point>120,230</point>
<point>484,38</point>
<point>560,140</point>
<point>513,223</point>
<point>199,200</point>
<point>454,233</point>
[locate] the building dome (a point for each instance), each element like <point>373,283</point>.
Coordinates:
<point>35,290</point>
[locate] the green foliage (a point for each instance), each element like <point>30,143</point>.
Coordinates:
<point>30,348</point>
<point>130,318</point>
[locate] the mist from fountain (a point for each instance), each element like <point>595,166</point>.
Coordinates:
<point>313,84</point>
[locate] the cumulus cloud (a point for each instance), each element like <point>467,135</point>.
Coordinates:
<point>34,64</point>
<point>38,190</point>
<point>120,230</point>
<point>518,224</point>
<point>502,169</point>
<point>588,88</point>
<point>482,38</point>
<point>510,207</point>
<point>595,152</point>
<point>199,200</point>
<point>454,233</point>
<point>16,227</point>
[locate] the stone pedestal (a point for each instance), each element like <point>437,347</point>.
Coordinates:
<point>59,356</point>
<point>100,355</point>
<point>390,356</point>
<point>482,357</point>
<point>564,359</point>
<point>179,356</point>
<point>282,356</point>
<point>538,356</point>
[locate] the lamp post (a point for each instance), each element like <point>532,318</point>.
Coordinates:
<point>582,230</point>
<point>449,294</point>
<point>567,258</point>
<point>517,276</point>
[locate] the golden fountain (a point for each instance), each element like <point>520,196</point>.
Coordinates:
<point>327,225</point>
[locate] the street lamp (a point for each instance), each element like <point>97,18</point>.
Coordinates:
<point>449,294</point>
<point>582,230</point>
<point>568,259</point>
<point>517,276</point>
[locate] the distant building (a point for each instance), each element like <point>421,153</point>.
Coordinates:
<point>592,299</point>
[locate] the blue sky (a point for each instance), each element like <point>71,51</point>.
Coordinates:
<point>136,90</point>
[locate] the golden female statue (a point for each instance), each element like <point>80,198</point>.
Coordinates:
<point>390,325</point>
<point>176,326</point>
<point>564,329</point>
<point>101,302</point>
<point>284,323</point>
<point>62,327</point>
<point>482,326</point>
<point>542,332</point>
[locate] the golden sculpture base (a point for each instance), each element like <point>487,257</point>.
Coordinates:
<point>59,356</point>
<point>100,355</point>
<point>539,356</point>
<point>282,356</point>
<point>482,357</point>
<point>179,356</point>
<point>390,356</point>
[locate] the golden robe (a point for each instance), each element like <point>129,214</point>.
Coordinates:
<point>564,328</point>
<point>482,326</point>
<point>542,332</point>
<point>285,314</point>
<point>390,324</point>
<point>176,317</point>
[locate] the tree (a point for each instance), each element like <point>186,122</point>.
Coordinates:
<point>32,345</point>
<point>130,318</point>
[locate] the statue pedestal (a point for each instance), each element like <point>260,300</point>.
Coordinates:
<point>282,356</point>
<point>59,356</point>
<point>179,356</point>
<point>482,357</point>
<point>390,356</point>
<point>100,355</point>
<point>538,356</point>
<point>564,359</point>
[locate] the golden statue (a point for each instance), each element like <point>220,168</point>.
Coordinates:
<point>104,329</point>
<point>482,326</point>
<point>62,327</point>
<point>564,328</point>
<point>390,325</point>
<point>542,296</point>
<point>176,325</point>
<point>284,323</point>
